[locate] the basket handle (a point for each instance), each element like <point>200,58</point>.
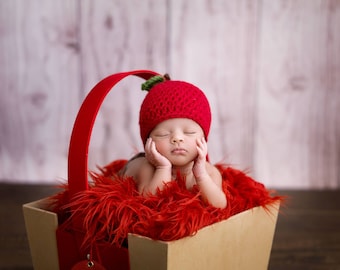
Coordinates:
<point>83,125</point>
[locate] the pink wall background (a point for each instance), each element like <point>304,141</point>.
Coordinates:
<point>270,68</point>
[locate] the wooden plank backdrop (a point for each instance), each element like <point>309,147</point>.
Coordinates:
<point>39,87</point>
<point>216,45</point>
<point>298,128</point>
<point>269,68</point>
<point>120,36</point>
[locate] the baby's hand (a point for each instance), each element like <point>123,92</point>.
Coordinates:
<point>199,168</point>
<point>154,157</point>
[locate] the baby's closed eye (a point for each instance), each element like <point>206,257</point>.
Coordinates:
<point>190,132</point>
<point>161,134</point>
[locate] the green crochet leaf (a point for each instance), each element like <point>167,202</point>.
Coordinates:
<point>146,86</point>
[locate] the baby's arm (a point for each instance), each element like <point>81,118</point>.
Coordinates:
<point>160,167</point>
<point>208,178</point>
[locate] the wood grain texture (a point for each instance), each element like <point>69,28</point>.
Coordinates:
<point>213,45</point>
<point>297,142</point>
<point>269,68</point>
<point>120,36</point>
<point>39,87</point>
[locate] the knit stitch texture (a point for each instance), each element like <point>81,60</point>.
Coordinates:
<point>174,99</point>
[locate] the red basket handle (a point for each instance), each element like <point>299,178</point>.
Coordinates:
<point>82,129</point>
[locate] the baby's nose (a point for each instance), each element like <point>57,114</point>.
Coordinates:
<point>177,138</point>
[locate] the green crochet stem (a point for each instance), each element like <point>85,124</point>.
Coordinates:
<point>153,81</point>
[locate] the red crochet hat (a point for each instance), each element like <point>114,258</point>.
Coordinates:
<point>172,99</point>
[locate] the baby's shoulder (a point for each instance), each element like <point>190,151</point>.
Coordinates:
<point>210,167</point>
<point>135,165</point>
<point>213,171</point>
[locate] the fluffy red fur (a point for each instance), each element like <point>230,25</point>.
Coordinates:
<point>112,207</point>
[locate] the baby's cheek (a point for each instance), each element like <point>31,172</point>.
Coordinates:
<point>161,148</point>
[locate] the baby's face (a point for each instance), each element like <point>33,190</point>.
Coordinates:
<point>176,139</point>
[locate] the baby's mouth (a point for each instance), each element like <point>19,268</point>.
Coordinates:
<point>179,151</point>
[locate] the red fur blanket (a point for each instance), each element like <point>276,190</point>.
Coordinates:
<point>112,207</point>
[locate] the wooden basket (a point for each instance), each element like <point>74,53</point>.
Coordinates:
<point>240,242</point>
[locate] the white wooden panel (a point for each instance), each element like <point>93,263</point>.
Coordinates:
<point>269,68</point>
<point>119,36</point>
<point>39,87</point>
<point>297,142</point>
<point>213,45</point>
